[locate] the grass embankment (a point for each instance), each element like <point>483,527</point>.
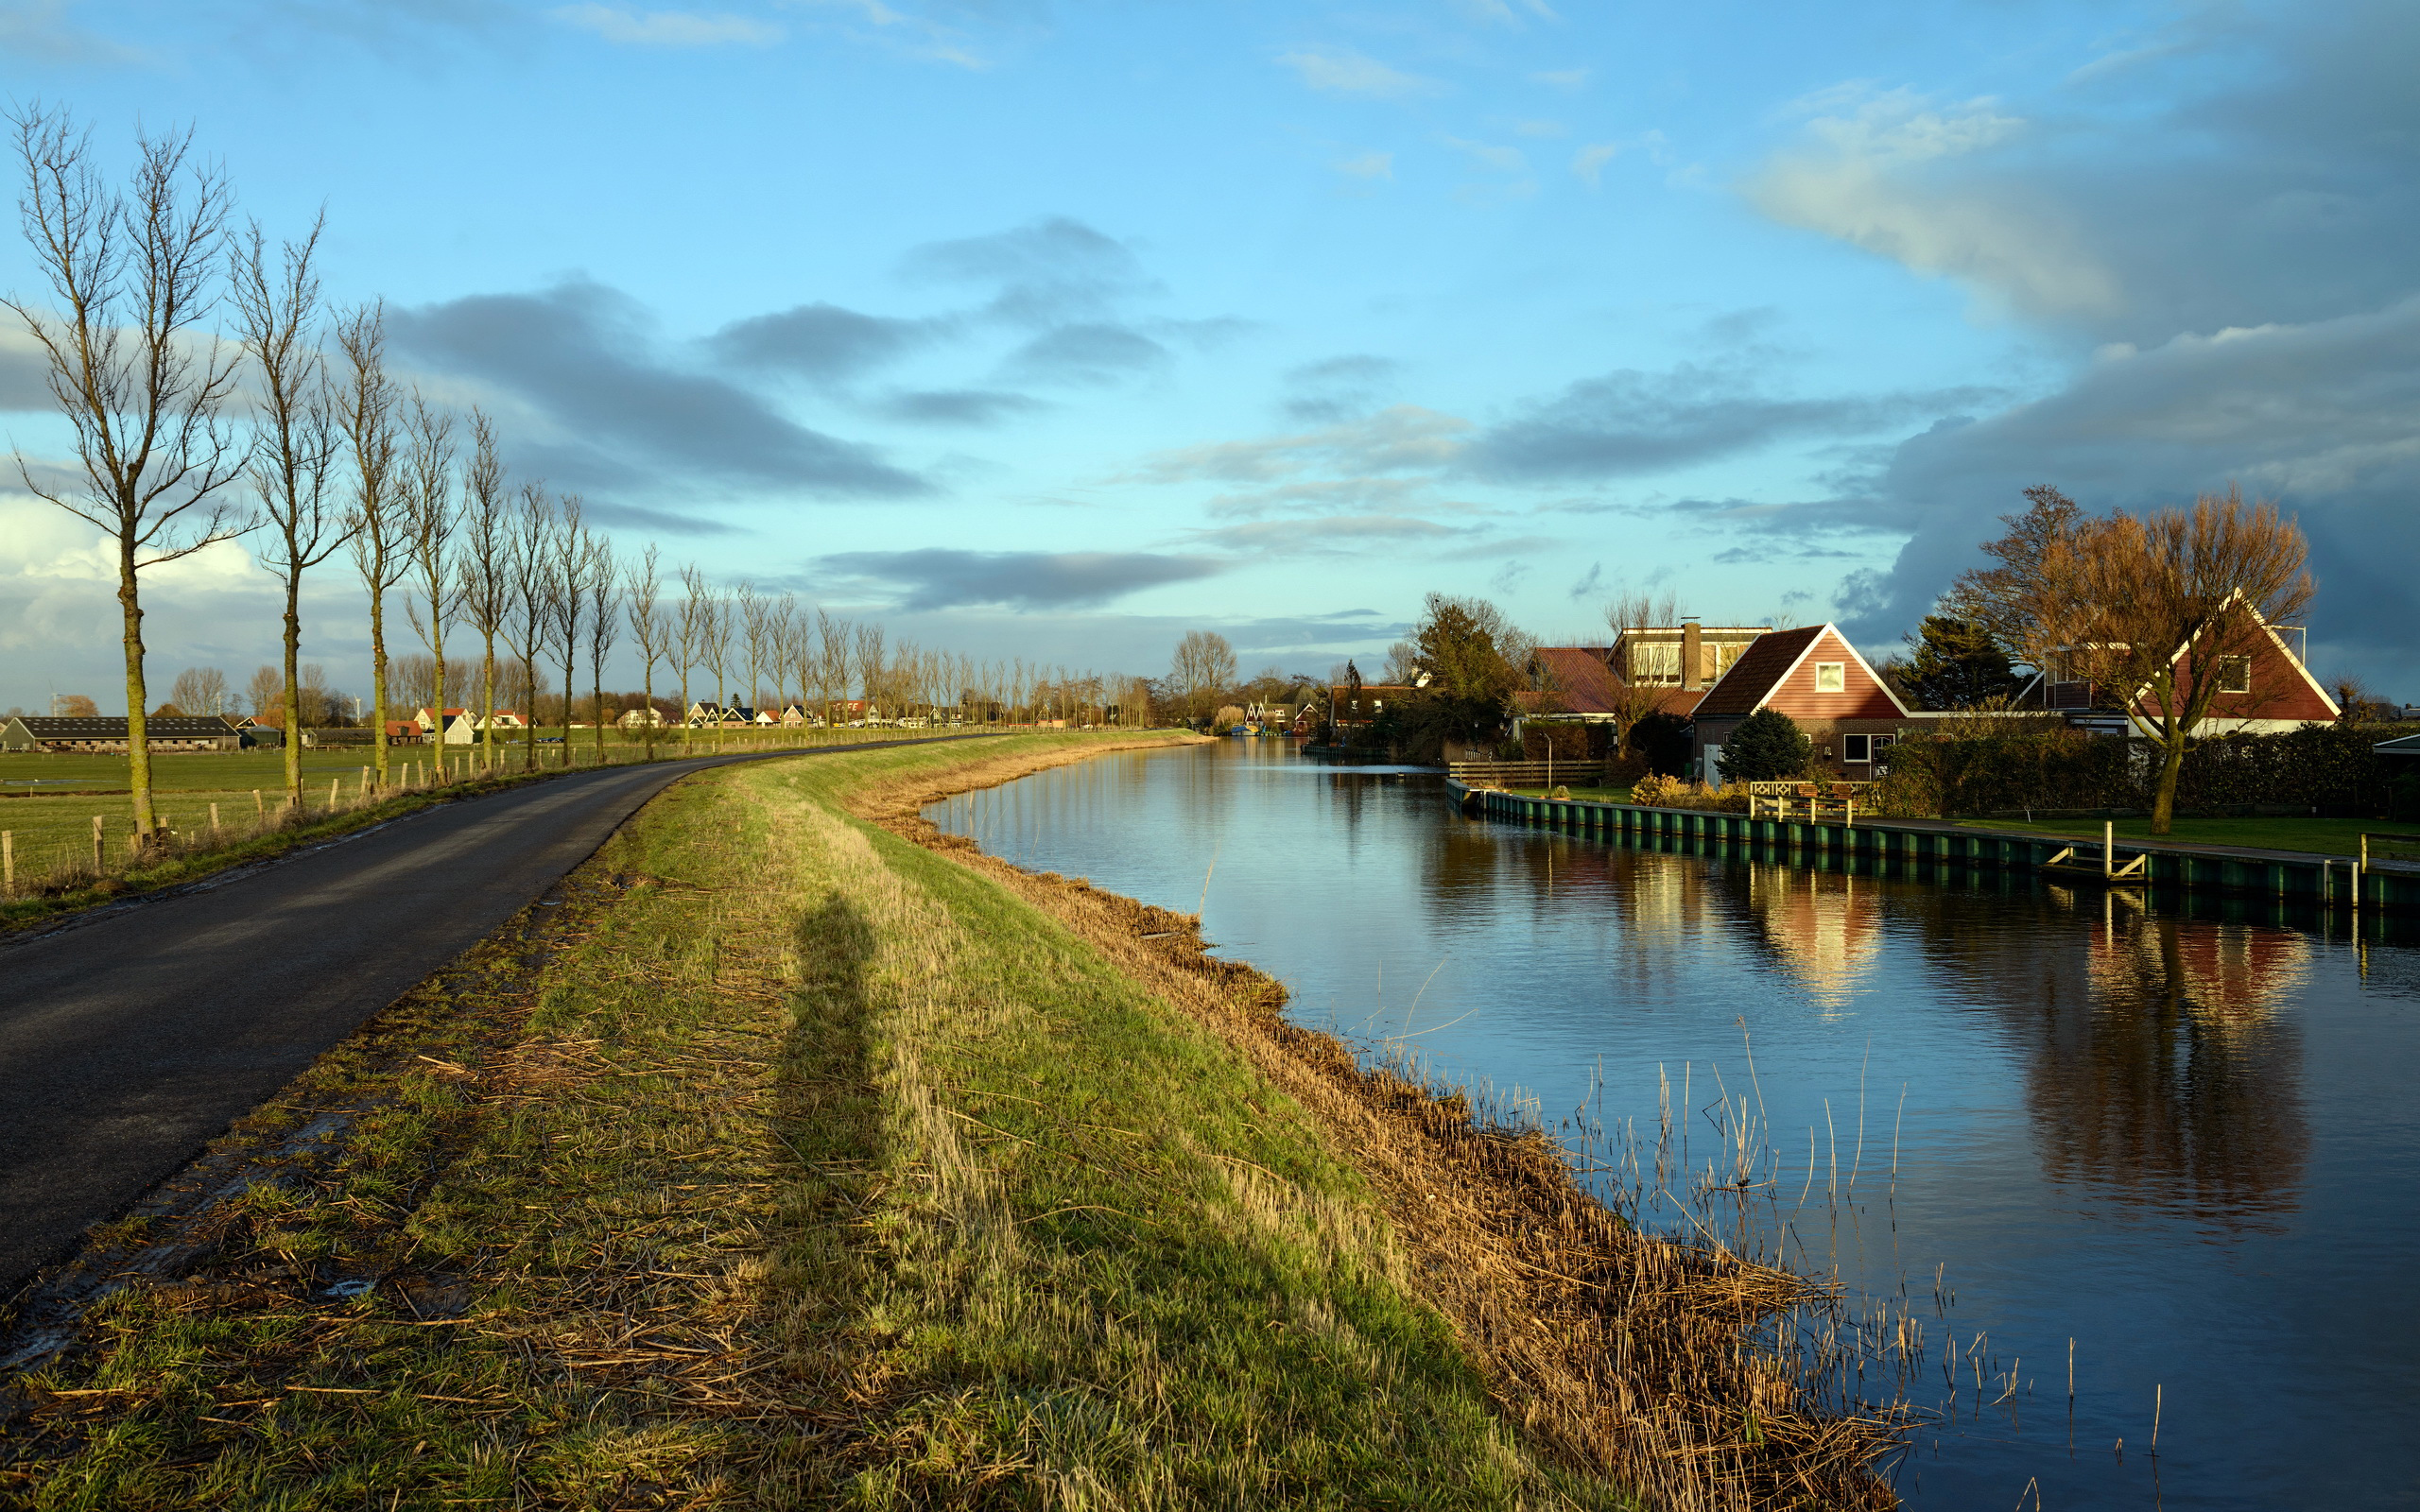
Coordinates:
<point>1581,795</point>
<point>787,1161</point>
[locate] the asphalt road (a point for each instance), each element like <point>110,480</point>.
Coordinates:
<point>130,1039</point>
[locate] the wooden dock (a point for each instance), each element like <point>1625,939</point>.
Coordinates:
<point>2337,883</point>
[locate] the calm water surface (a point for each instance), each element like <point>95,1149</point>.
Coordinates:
<point>2186,1145</point>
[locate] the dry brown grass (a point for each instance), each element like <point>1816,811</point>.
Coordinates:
<point>1630,1355</point>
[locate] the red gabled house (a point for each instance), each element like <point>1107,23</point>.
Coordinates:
<point>1813,675</point>
<point>2264,690</point>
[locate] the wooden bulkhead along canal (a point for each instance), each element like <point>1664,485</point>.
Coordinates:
<point>2093,1165</point>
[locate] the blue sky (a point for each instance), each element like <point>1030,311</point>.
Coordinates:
<point>1059,329</point>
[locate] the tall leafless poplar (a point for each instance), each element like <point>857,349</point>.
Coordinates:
<point>379,538</point>
<point>870,660</point>
<point>132,276</point>
<point>295,441</point>
<point>689,628</point>
<point>431,517</point>
<point>529,555</point>
<point>567,601</point>
<point>604,589</point>
<point>482,568</point>
<point>716,648</point>
<point>642,604</point>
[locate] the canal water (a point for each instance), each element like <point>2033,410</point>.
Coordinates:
<point>2180,1151</point>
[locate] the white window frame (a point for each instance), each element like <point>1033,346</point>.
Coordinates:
<point>1852,745</point>
<point>2235,673</point>
<point>1831,676</point>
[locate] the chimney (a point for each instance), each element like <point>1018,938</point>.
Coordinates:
<point>1692,659</point>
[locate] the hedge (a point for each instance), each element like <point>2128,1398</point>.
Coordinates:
<point>2325,766</point>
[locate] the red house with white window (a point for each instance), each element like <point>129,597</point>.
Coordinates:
<point>2263,689</point>
<point>1813,675</point>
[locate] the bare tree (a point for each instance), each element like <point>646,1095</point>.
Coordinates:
<point>529,551</point>
<point>295,441</point>
<point>756,635</point>
<point>869,652</point>
<point>2028,603</point>
<point>431,517</point>
<point>2170,604</point>
<point>1203,668</point>
<point>604,626</point>
<point>831,662</point>
<point>483,566</point>
<point>132,276</point>
<point>379,538</point>
<point>567,600</point>
<point>201,691</point>
<point>714,645</point>
<point>642,603</point>
<point>690,635</point>
<point>1634,694</point>
<point>265,691</point>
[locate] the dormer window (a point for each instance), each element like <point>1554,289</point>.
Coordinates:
<point>2235,673</point>
<point>1831,676</point>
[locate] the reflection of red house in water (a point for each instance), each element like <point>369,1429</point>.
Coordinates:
<point>1824,927</point>
<point>2229,978</point>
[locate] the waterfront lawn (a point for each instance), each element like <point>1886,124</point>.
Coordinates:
<point>789,1163</point>
<point>1581,795</point>
<point>2338,837</point>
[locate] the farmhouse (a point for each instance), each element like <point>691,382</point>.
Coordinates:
<point>107,735</point>
<point>1813,675</point>
<point>2263,689</point>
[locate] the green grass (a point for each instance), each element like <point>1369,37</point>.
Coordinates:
<point>1583,794</point>
<point>797,1165</point>
<point>2339,837</point>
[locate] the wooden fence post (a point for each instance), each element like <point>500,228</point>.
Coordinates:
<point>7,863</point>
<point>98,860</point>
<point>214,819</point>
<point>260,810</point>
<point>334,783</point>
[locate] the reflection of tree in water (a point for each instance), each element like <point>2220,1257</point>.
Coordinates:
<point>2179,1084</point>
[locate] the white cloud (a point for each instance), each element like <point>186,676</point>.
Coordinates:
<point>1368,166</point>
<point>1589,162</point>
<point>1502,159</point>
<point>668,28</point>
<point>1570,81</point>
<point>1402,438</point>
<point>1860,176</point>
<point>1342,70</point>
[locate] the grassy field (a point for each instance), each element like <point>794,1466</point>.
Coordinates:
<point>786,1158</point>
<point>47,803</point>
<point>804,1165</point>
<point>2339,837</point>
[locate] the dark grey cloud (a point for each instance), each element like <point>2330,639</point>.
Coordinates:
<point>821,343</point>
<point>1046,273</point>
<point>1093,354</point>
<point>1340,389</point>
<point>1631,423</point>
<point>2318,417</point>
<point>2218,226</point>
<point>24,375</point>
<point>958,406</point>
<point>581,354</point>
<point>940,577</point>
<point>664,522</point>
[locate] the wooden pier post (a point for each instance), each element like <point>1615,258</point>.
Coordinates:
<point>2108,847</point>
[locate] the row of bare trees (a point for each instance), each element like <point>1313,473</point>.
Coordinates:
<point>282,424</point>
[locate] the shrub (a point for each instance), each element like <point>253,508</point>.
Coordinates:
<point>2316,767</point>
<point>1663,743</point>
<point>1659,791</point>
<point>1768,745</point>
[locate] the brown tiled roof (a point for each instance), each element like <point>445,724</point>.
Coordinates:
<point>1580,677</point>
<point>1754,675</point>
